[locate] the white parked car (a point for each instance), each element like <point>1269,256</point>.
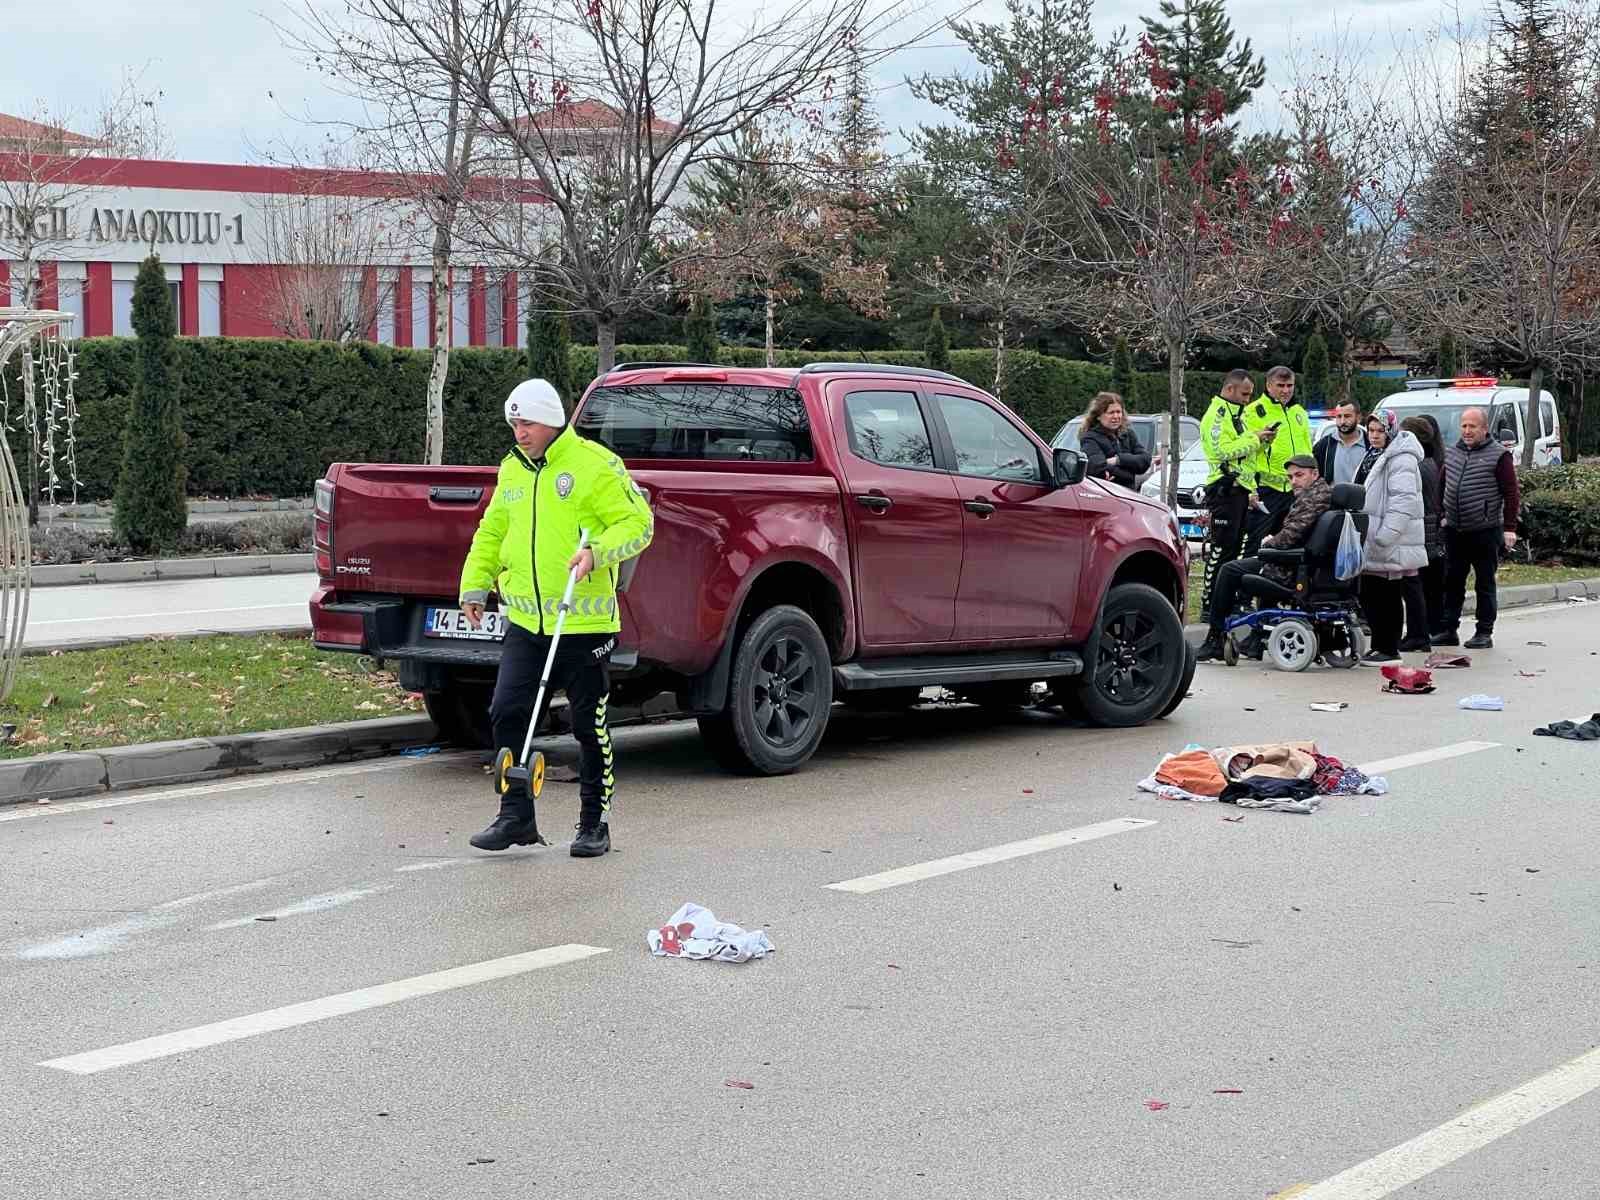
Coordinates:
<point>1446,399</point>
<point>1191,506</point>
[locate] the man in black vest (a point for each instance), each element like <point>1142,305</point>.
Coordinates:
<point>1481,499</point>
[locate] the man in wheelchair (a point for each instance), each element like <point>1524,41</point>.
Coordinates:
<point>1288,566</point>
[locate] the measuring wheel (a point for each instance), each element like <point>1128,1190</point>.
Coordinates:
<point>505,761</point>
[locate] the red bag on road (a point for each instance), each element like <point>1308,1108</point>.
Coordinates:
<point>1408,681</point>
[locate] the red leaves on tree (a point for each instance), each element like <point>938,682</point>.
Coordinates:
<point>1103,197</point>
<point>1216,105</point>
<point>1163,79</point>
<point>1466,206</point>
<point>1285,185</point>
<point>1102,126</point>
<point>1202,223</point>
<point>1025,78</point>
<point>1226,245</point>
<point>561,91</point>
<point>1401,212</point>
<point>1166,104</point>
<point>1147,48</point>
<point>1104,101</point>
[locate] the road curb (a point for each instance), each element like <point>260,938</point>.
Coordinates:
<point>1521,596</point>
<point>223,567</point>
<point>86,773</point>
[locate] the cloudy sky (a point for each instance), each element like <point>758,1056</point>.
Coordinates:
<point>230,92</point>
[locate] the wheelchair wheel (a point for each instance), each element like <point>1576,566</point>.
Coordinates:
<point>1230,650</point>
<point>1354,646</point>
<point>1292,645</point>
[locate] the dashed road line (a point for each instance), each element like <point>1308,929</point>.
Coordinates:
<point>342,1004</point>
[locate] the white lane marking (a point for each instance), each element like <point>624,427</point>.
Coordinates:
<point>309,905</point>
<point>308,1011</point>
<point>1425,756</point>
<point>991,854</point>
<point>440,864</point>
<point>85,943</point>
<point>23,812</point>
<point>193,612</point>
<point>1473,1129</point>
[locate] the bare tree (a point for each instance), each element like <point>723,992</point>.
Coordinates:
<point>46,171</point>
<point>1350,180</point>
<point>421,69</point>
<point>609,104</point>
<point>1176,240</point>
<point>1507,246</point>
<point>326,249</point>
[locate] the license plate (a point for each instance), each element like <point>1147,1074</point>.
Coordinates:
<point>452,623</point>
<point>1191,530</point>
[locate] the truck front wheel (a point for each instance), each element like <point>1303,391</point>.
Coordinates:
<point>1135,661</point>
<point>779,695</point>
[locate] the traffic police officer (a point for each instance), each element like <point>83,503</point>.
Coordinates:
<point>1230,451</point>
<point>1280,412</point>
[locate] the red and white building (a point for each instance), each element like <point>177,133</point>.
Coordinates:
<point>208,222</point>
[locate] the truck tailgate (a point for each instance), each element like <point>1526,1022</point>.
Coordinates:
<point>405,529</point>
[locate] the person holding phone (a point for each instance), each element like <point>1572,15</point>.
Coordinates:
<point>1285,433</point>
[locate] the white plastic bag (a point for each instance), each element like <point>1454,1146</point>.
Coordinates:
<point>1347,559</point>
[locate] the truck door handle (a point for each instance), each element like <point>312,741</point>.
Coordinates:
<point>455,495</point>
<point>878,504</point>
<point>982,507</point>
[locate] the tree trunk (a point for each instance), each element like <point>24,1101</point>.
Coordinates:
<point>1346,368</point>
<point>1572,428</point>
<point>999,356</point>
<point>433,440</point>
<point>772,306</point>
<point>1535,386</point>
<point>606,338</point>
<point>1175,409</point>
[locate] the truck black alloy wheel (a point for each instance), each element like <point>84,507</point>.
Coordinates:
<point>1136,659</point>
<point>779,695</point>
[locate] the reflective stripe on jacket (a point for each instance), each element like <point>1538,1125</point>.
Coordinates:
<point>529,533</point>
<point>1294,437</point>
<point>1229,447</point>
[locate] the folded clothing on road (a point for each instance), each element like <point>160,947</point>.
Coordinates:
<point>1573,731</point>
<point>1482,702</point>
<point>1280,777</point>
<point>695,932</point>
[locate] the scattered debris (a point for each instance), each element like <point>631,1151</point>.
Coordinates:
<point>1407,681</point>
<point>420,751</point>
<point>1531,674</point>
<point>266,918</point>
<point>1480,702</point>
<point>1156,1105</point>
<point>695,932</point>
<point>1330,705</point>
<point>1115,886</point>
<point>1027,791</point>
<point>383,1114</point>
<point>1436,662</point>
<point>1293,908</point>
<point>42,800</point>
<point>1249,710</point>
<point>1536,643</point>
<point>892,967</point>
<point>1234,820</point>
<point>1532,870</point>
<point>108,821</point>
<point>739,1083</point>
<point>474,1162</point>
<point>1231,944</point>
<point>1573,731</point>
<point>1227,1091</point>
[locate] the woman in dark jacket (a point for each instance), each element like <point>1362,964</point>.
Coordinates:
<point>1426,431</point>
<point>1113,451</point>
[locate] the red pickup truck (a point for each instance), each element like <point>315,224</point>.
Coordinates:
<point>838,533</point>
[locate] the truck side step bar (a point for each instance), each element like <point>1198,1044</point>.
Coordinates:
<point>927,671</point>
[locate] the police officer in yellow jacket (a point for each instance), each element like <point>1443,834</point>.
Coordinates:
<point>1279,412</point>
<point>1230,451</point>
<point>552,485</point>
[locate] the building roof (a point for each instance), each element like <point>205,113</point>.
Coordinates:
<point>19,133</point>
<point>592,115</point>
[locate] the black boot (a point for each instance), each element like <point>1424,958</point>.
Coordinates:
<point>514,826</point>
<point>592,840</point>
<point>1211,648</point>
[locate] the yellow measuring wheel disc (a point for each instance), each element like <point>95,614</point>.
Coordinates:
<point>504,763</point>
<point>536,776</point>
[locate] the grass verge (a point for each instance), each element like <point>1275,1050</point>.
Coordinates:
<point>159,690</point>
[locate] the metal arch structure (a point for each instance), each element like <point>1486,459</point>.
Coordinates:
<point>18,328</point>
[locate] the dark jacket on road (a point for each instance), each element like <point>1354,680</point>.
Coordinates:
<point>1309,504</point>
<point>1100,444</point>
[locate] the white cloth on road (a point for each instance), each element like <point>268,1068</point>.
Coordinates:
<point>1482,702</point>
<point>695,932</point>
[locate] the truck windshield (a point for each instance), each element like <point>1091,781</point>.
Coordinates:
<point>704,421</point>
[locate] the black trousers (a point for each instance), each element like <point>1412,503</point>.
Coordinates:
<point>579,671</point>
<point>1224,539</point>
<point>1433,593</point>
<point>1265,520</point>
<point>1390,605</point>
<point>1478,551</point>
<point>1226,594</point>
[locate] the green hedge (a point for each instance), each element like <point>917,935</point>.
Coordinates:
<point>265,417</point>
<point>1561,513</point>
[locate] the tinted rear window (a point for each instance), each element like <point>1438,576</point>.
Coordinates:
<point>699,421</point>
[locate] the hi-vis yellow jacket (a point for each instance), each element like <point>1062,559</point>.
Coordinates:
<point>529,534</point>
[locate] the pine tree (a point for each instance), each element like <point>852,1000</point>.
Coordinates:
<point>1449,356</point>
<point>1122,371</point>
<point>550,348</point>
<point>151,511</point>
<point>700,332</point>
<point>1314,368</point>
<point>1204,73</point>
<point>937,345</point>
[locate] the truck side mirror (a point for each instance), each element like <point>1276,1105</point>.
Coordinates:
<point>1070,467</point>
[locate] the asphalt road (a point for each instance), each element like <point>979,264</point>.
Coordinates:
<point>1186,1006</point>
<point>64,616</point>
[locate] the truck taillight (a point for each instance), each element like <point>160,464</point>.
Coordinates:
<point>322,528</point>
